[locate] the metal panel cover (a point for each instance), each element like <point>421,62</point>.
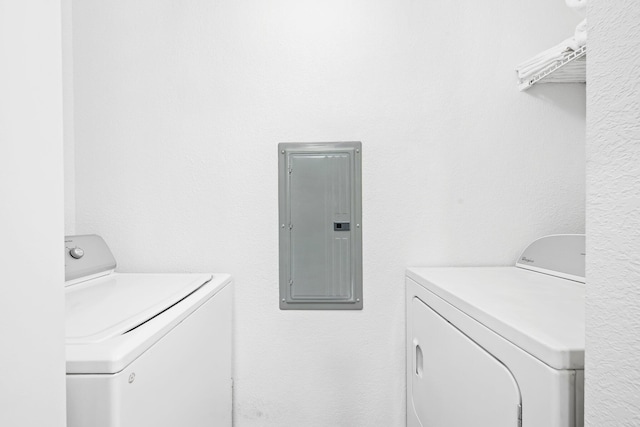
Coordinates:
<point>320,225</point>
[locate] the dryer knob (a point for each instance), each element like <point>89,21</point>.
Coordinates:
<point>76,253</point>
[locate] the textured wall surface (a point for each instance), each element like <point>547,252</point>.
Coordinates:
<point>613,216</point>
<point>32,365</point>
<point>179,107</point>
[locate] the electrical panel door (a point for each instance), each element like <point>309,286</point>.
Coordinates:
<point>320,226</point>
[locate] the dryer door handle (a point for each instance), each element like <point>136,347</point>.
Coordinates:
<point>419,359</point>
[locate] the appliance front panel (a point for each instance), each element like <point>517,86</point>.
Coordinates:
<point>454,381</point>
<point>182,380</point>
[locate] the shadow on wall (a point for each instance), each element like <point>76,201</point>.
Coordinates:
<point>561,95</point>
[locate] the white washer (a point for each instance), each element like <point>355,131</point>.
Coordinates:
<point>144,349</point>
<point>499,346</point>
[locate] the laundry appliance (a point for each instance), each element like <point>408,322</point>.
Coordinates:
<point>144,349</point>
<point>499,346</point>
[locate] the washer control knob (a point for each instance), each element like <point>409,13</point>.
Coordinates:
<point>76,253</point>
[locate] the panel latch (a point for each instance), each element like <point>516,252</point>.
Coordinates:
<point>341,226</point>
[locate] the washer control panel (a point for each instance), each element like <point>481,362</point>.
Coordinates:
<point>76,253</point>
<point>86,255</point>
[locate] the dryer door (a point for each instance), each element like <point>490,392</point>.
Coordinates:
<point>455,382</point>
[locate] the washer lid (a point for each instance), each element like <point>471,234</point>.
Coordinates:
<point>541,314</point>
<point>112,305</point>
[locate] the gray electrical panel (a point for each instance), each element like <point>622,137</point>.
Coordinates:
<point>320,224</point>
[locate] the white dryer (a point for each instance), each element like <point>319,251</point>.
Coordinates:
<point>499,346</point>
<point>144,349</point>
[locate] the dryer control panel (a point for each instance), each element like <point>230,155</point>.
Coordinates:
<point>560,255</point>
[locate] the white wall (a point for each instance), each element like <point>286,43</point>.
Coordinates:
<point>32,370</point>
<point>68,124</point>
<point>613,216</point>
<point>178,110</point>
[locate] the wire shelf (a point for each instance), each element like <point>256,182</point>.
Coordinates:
<point>577,75</point>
